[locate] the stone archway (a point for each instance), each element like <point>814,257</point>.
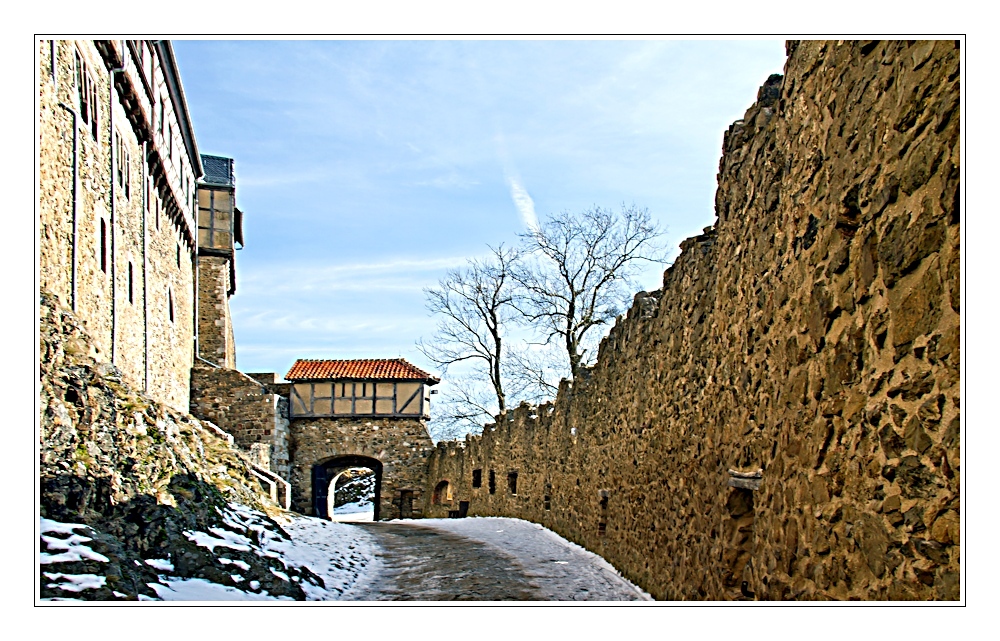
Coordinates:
<point>442,493</point>
<point>327,470</point>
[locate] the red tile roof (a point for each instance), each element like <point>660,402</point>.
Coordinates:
<point>394,369</point>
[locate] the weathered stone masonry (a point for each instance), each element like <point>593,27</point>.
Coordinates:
<point>812,334</point>
<point>402,446</point>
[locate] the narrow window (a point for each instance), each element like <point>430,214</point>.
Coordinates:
<point>170,304</point>
<point>512,482</point>
<point>82,89</point>
<point>178,255</point>
<point>104,246</point>
<point>493,482</point>
<point>477,478</point>
<point>161,117</point>
<point>131,284</point>
<point>156,203</point>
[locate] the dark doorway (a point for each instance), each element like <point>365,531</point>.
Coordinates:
<point>406,504</point>
<point>325,471</point>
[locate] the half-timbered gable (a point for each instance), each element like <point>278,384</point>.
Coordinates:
<point>383,388</point>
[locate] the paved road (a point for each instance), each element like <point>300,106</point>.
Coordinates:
<point>484,559</point>
<point>422,564</point>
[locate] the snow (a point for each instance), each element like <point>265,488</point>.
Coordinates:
<point>72,546</point>
<point>563,570</point>
<point>243,565</point>
<point>75,582</point>
<point>344,556</point>
<point>164,565</point>
<point>225,538</point>
<point>354,512</point>
<point>202,590</point>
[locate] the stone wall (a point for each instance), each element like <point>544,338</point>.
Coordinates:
<point>401,445</point>
<point>122,299</point>
<point>812,335</point>
<point>215,323</point>
<point>257,419</point>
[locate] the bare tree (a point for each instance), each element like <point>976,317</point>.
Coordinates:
<point>581,275</point>
<point>475,305</point>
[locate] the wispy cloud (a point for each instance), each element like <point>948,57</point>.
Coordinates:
<point>523,202</point>
<point>391,275</point>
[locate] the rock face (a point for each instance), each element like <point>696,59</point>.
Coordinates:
<point>134,482</point>
<point>812,334</point>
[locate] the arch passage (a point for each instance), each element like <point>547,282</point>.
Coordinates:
<point>324,471</point>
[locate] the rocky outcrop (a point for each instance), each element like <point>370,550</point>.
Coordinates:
<point>132,491</point>
<point>782,419</point>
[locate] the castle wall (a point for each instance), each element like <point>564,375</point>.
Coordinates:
<point>120,270</point>
<point>402,445</point>
<point>813,334</point>
<point>257,419</point>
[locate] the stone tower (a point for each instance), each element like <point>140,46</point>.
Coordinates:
<point>220,227</point>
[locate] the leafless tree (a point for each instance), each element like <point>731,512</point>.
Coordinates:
<point>581,271</point>
<point>475,305</point>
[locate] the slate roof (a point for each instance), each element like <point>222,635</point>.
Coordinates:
<point>393,369</point>
<point>218,170</point>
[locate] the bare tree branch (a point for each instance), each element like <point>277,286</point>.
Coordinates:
<point>475,306</point>
<point>581,275</point>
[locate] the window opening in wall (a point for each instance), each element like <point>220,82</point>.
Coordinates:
<point>160,126</point>
<point>547,500</point>
<point>442,494</point>
<point>178,255</point>
<point>512,482</point>
<point>602,525</point>
<point>86,95</point>
<point>493,482</point>
<point>122,165</point>
<point>131,297</point>
<point>104,246</point>
<point>170,304</point>
<point>477,478</point>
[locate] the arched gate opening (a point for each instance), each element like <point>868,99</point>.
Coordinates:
<point>324,472</point>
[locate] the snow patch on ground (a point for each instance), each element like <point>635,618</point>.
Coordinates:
<point>73,548</point>
<point>173,589</point>
<point>75,582</point>
<point>164,565</point>
<point>342,555</point>
<point>563,570</point>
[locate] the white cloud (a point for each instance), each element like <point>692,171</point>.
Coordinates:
<point>523,202</point>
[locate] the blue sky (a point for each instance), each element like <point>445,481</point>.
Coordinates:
<point>367,168</point>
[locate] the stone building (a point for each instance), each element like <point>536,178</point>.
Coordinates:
<point>360,413</point>
<point>138,237</point>
<point>117,167</point>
